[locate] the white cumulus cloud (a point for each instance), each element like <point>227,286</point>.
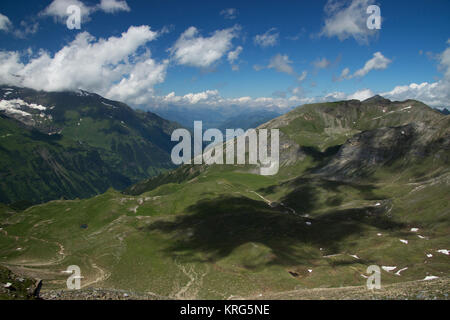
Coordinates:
<point>137,87</point>
<point>112,67</point>
<point>234,55</point>
<point>281,63</point>
<point>192,49</point>
<point>29,26</point>
<point>5,23</point>
<point>58,8</point>
<point>302,77</point>
<point>267,39</point>
<point>435,94</point>
<point>321,63</point>
<point>229,13</point>
<point>345,74</point>
<point>347,19</point>
<point>206,97</point>
<point>26,28</point>
<point>361,95</point>
<point>112,6</point>
<point>213,99</point>
<point>378,62</point>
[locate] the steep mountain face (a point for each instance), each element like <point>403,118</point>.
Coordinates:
<point>313,129</point>
<point>75,144</point>
<point>37,167</point>
<point>349,139</point>
<point>402,148</point>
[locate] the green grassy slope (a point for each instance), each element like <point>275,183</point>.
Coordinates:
<point>222,232</point>
<point>215,237</point>
<point>328,124</point>
<point>79,146</point>
<point>37,167</point>
<point>312,134</point>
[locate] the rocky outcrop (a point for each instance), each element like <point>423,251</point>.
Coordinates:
<point>18,287</point>
<point>401,146</point>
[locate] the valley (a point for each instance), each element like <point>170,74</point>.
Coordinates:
<point>360,183</point>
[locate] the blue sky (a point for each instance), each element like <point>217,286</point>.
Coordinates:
<point>288,52</point>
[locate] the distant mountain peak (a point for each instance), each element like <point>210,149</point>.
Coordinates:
<point>377,98</point>
<point>444,111</point>
<point>76,136</point>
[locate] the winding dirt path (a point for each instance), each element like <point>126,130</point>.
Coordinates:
<point>61,256</point>
<point>195,283</point>
<point>266,200</point>
<point>102,277</point>
<point>281,204</point>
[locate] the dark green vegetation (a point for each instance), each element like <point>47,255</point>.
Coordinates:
<point>79,146</point>
<point>356,180</point>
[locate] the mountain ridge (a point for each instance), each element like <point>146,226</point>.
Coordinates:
<point>352,191</point>
<point>49,131</point>
<point>315,132</point>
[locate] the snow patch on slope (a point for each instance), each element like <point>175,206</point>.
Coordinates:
<point>15,107</point>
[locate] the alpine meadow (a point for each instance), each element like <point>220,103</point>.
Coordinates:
<point>226,150</point>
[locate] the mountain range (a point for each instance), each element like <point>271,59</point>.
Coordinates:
<point>444,111</point>
<point>360,183</point>
<point>75,144</point>
<point>221,117</point>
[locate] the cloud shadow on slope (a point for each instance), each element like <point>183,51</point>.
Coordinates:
<point>216,227</point>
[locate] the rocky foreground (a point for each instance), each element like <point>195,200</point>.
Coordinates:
<point>16,287</point>
<point>413,290</point>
